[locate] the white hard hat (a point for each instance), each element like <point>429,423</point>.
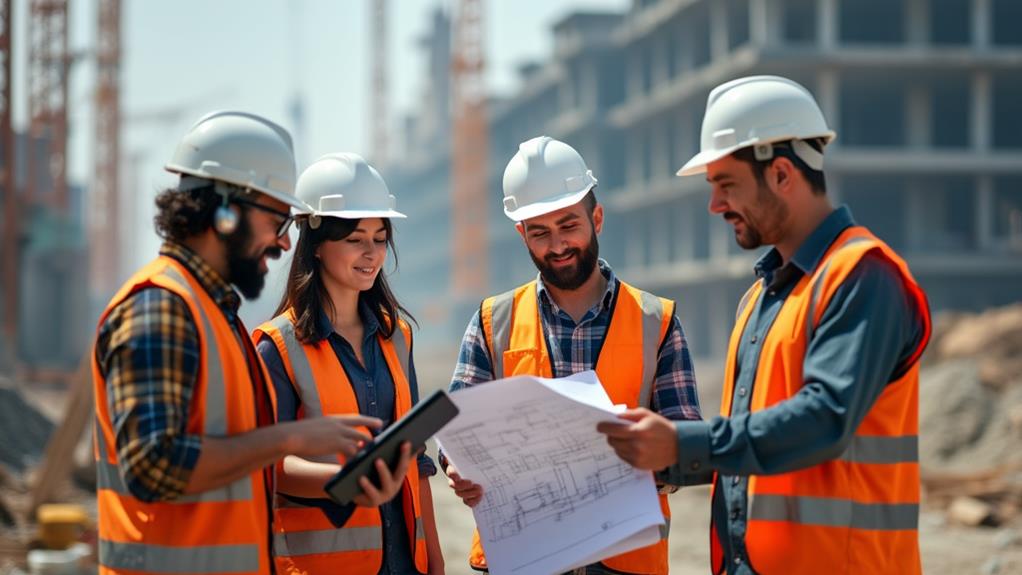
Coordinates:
<point>758,111</point>
<point>545,175</point>
<point>344,185</point>
<point>241,149</point>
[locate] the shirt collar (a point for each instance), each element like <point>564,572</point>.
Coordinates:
<point>812,250</point>
<point>608,294</point>
<point>215,285</point>
<point>324,327</point>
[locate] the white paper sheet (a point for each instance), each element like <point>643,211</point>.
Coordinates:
<point>555,496</point>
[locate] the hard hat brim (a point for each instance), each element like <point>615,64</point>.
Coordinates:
<point>541,208</point>
<point>359,214</point>
<point>275,194</point>
<point>697,165</point>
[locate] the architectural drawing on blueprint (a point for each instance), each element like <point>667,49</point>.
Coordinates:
<point>555,496</point>
<point>531,460</point>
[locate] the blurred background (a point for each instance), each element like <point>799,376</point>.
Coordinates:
<point>926,97</point>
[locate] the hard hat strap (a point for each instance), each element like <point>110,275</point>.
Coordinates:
<point>802,149</point>
<point>808,154</point>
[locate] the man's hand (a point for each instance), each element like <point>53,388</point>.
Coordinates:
<point>390,482</point>
<point>329,435</point>
<point>470,493</point>
<point>650,442</point>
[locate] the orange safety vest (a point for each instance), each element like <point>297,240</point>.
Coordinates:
<point>857,513</point>
<point>626,368</point>
<point>224,530</point>
<point>305,541</point>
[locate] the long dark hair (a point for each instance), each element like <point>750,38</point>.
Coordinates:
<point>305,292</point>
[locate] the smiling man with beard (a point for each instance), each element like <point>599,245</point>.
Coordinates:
<point>575,316</point>
<point>815,454</point>
<point>184,436</point>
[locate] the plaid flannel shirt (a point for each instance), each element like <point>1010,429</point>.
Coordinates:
<point>148,348</point>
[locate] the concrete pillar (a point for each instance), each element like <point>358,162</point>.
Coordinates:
<point>828,95</point>
<point>985,213</point>
<point>762,21</point>
<point>919,128</point>
<point>826,24</point>
<point>981,24</point>
<point>718,30</point>
<point>658,53</point>
<point>633,159</point>
<point>918,209</point>
<point>685,232</point>
<point>634,55</point>
<point>634,240</point>
<point>917,22</point>
<point>660,164</point>
<point>659,236</point>
<point>980,112</point>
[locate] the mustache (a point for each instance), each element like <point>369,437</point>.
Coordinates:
<point>569,252</point>
<point>731,216</point>
<point>273,253</point>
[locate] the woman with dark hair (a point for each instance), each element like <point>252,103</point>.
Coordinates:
<point>339,344</point>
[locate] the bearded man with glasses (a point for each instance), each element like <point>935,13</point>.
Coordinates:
<point>185,440</point>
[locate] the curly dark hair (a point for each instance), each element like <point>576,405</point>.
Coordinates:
<point>184,214</point>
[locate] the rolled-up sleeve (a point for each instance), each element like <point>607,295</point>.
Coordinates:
<point>869,329</point>
<point>148,350</point>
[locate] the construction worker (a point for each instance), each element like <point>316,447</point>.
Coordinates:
<point>337,345</point>
<point>814,456</point>
<point>184,444</point>
<point>575,316</point>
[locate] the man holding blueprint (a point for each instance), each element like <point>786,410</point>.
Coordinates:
<point>575,316</point>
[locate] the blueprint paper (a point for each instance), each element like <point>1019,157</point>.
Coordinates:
<point>555,495</point>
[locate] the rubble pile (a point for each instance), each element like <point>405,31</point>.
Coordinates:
<point>970,410</point>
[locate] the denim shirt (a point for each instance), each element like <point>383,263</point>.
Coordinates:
<point>374,390</point>
<point>869,329</point>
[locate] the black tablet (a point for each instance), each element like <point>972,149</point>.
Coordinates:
<point>417,426</point>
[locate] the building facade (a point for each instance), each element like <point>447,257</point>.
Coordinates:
<point>922,93</point>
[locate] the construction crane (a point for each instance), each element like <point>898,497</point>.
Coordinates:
<point>48,65</point>
<point>379,95</point>
<point>470,153</point>
<point>104,214</point>
<point>10,196</point>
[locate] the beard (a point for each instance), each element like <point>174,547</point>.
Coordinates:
<point>760,228</point>
<point>242,266</point>
<point>571,277</point>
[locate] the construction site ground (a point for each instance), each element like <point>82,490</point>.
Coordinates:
<point>971,430</point>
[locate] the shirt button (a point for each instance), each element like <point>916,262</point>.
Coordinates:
<point>735,513</point>
<point>735,480</point>
<point>742,391</point>
<point>694,466</point>
<point>738,560</point>
<point>754,339</point>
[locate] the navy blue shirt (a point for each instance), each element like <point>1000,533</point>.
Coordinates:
<point>866,334</point>
<point>374,390</point>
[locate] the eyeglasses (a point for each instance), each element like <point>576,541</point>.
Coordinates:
<point>284,224</point>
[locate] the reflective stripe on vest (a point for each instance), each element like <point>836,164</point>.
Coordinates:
<point>304,539</point>
<point>298,543</point>
<point>858,511</point>
<point>194,559</point>
<point>832,512</point>
<point>506,325</point>
<point>218,531</point>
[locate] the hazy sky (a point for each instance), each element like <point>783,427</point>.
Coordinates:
<point>182,58</point>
